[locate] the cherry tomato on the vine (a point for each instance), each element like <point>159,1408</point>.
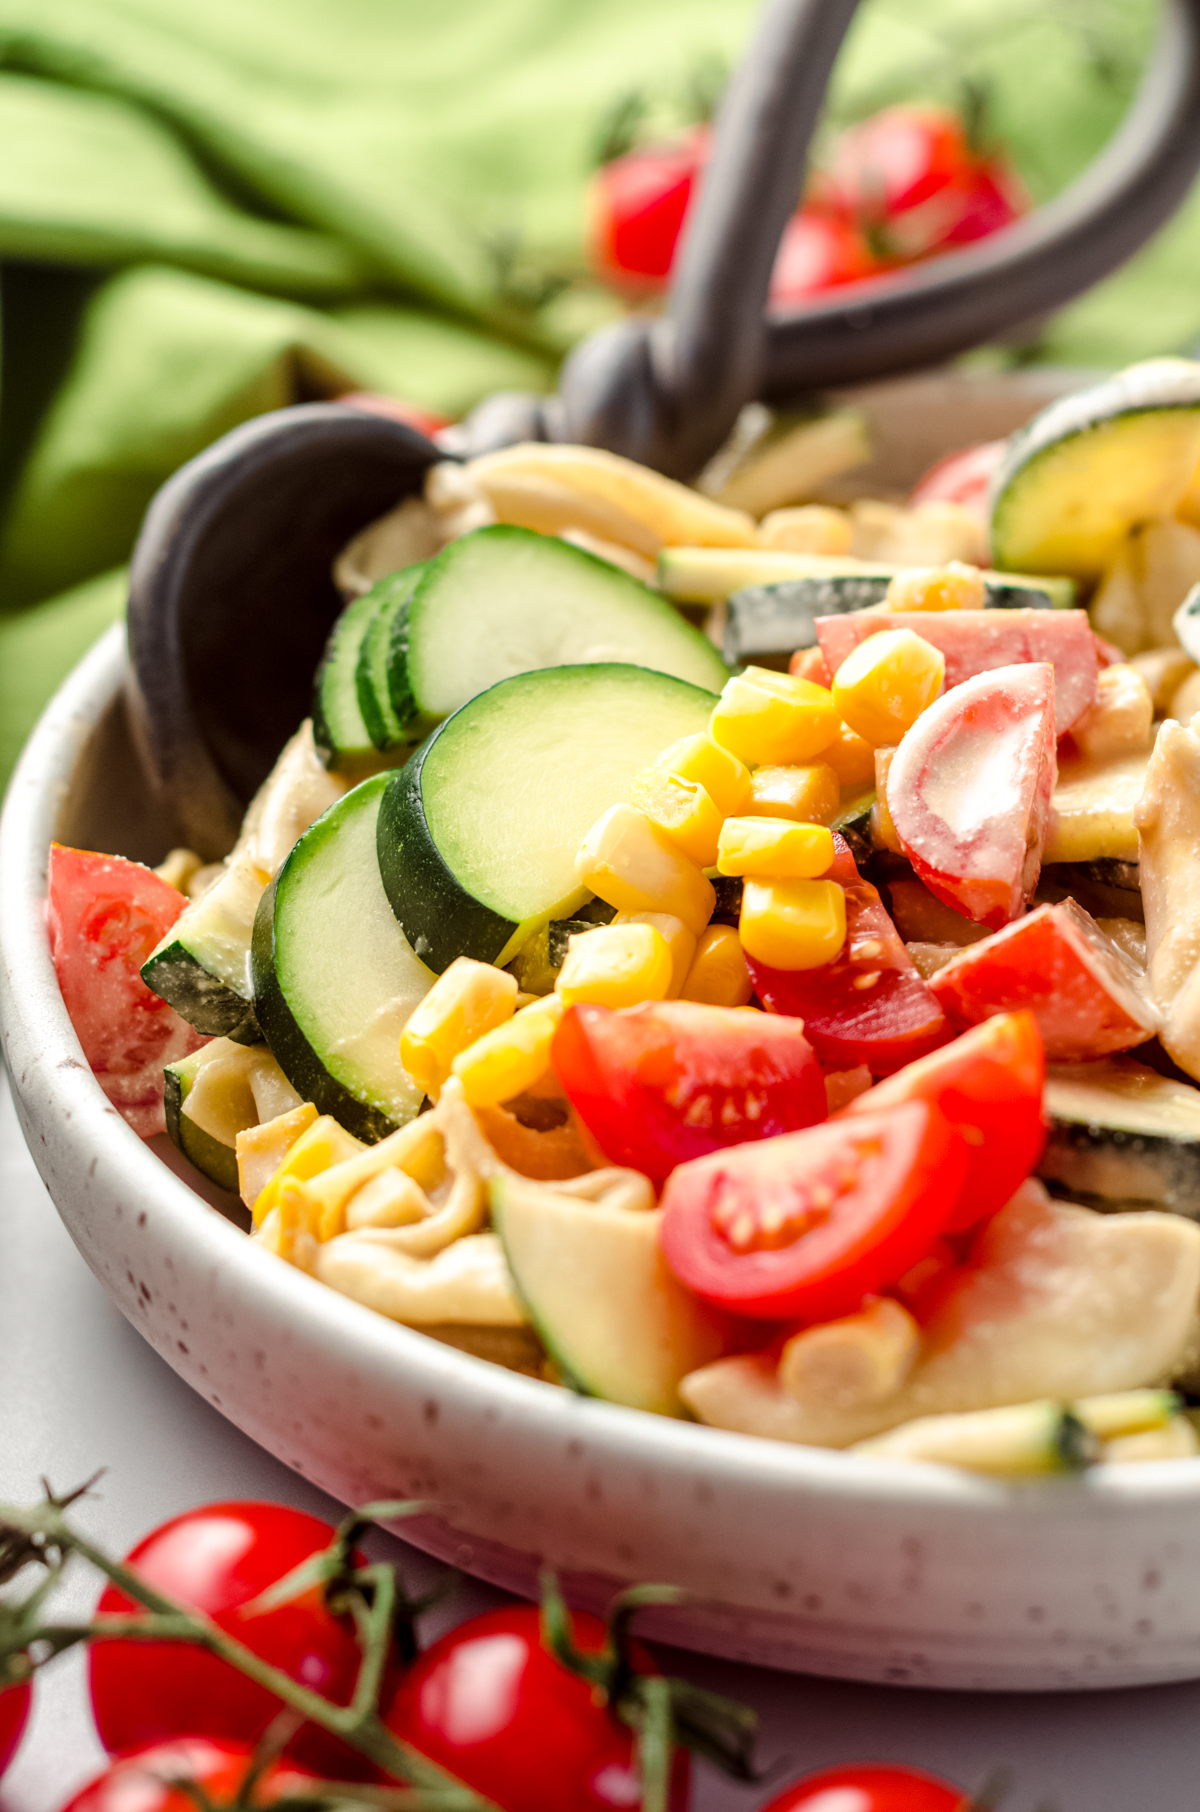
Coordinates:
<point>819,252</point>
<point>14,1713</point>
<point>490,1703</point>
<point>129,1783</point>
<point>636,209</point>
<point>216,1559</point>
<point>869,1787</point>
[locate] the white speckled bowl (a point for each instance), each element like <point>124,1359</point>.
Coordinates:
<point>796,1558</point>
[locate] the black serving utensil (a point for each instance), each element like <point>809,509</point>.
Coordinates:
<point>231,594</point>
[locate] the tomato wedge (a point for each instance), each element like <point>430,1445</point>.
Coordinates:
<point>868,1005</point>
<point>989,1084</point>
<point>670,1080</point>
<point>804,1226</point>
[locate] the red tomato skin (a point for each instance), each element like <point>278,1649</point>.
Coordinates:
<point>127,1784</point>
<point>1084,993</point>
<point>818,252</point>
<point>961,478</point>
<point>217,1558</point>
<point>994,197</point>
<point>906,174</point>
<point>394,408</point>
<point>14,1715</point>
<point>636,209</point>
<point>657,1084</point>
<point>896,1210</point>
<point>104,917</point>
<point>884,1025</point>
<point>869,1787</point>
<point>989,1084</point>
<point>489,1702</point>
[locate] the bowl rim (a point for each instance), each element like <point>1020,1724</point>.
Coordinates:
<point>47,1072</point>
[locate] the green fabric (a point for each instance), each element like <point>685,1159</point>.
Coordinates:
<point>207,211</point>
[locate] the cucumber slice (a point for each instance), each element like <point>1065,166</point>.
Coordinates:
<point>1087,469</point>
<point>339,728</point>
<point>1123,1136</point>
<point>202,966</point>
<point>478,833</point>
<point>505,600</point>
<point>334,977</point>
<point>705,575</point>
<point>600,1295</point>
<point>386,730</point>
<point>216,1093</point>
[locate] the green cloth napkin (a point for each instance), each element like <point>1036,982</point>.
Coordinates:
<point>209,211</point>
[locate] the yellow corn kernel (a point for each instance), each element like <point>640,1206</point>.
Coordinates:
<point>882,688</point>
<point>467,1000</point>
<point>324,1144</point>
<point>765,717</point>
<point>950,587</point>
<point>718,976</point>
<point>510,1059</point>
<point>805,795</point>
<point>883,831</point>
<point>615,966</point>
<point>632,866</point>
<point>682,811</point>
<point>851,758</point>
<point>793,924</point>
<point>773,846</point>
<point>724,778</point>
<point>679,941</point>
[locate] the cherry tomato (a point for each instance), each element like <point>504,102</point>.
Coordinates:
<point>14,1714</point>
<point>139,1780</point>
<point>636,209</point>
<point>658,1084</point>
<point>105,915</point>
<point>905,174</point>
<point>806,1225</point>
<point>994,197</point>
<point>869,1787</point>
<point>868,1005</point>
<point>395,409</point>
<point>818,252</point>
<point>217,1558</point>
<point>989,1084</point>
<point>961,478</point>
<point>489,1702</point>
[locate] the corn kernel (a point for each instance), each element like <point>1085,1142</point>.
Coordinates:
<point>679,941</point>
<point>466,1001</point>
<point>882,688</point>
<point>324,1144</point>
<point>681,809</point>
<point>950,587</point>
<point>718,976</point>
<point>805,795</point>
<point>615,966</point>
<point>852,759</point>
<point>793,924</point>
<point>510,1059</point>
<point>773,846</point>
<point>765,717</point>
<point>724,778</point>
<point>632,866</point>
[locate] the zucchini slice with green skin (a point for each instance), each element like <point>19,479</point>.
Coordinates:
<point>202,966</point>
<point>334,976</point>
<point>478,834</point>
<point>1122,1136</point>
<point>705,575</point>
<point>216,1093</point>
<point>339,728</point>
<point>1086,470</point>
<point>386,730</point>
<point>505,600</point>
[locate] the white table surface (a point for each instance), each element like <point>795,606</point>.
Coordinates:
<point>79,1390</point>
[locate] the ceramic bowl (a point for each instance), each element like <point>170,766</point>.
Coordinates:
<point>792,1557</point>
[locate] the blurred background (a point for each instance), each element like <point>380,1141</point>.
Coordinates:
<point>211,211</point>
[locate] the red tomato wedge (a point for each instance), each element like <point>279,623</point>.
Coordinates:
<point>806,1225</point>
<point>980,641</point>
<point>989,1084</point>
<point>670,1080</point>
<point>105,915</point>
<point>969,790</point>
<point>870,1787</point>
<point>869,1005</point>
<point>1084,992</point>
<point>961,478</point>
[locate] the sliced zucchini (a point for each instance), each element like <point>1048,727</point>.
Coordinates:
<point>765,621</point>
<point>478,834</point>
<point>386,730</point>
<point>705,575</point>
<point>1087,469</point>
<point>1123,1136</point>
<point>505,600</point>
<point>1091,816</point>
<point>853,824</point>
<point>202,966</point>
<point>216,1093</point>
<point>339,728</point>
<point>601,1296</point>
<point>334,977</point>
<point>537,963</point>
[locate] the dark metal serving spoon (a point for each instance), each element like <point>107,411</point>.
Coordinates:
<point>231,594</point>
